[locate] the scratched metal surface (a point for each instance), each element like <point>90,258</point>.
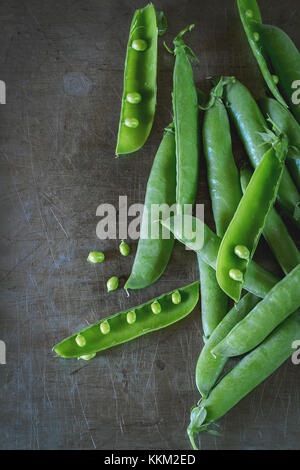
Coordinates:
<point>62,62</point>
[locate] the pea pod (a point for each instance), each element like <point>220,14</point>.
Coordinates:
<point>130,324</point>
<point>279,303</point>
<point>276,234</point>
<point>241,238</point>
<point>251,20</point>
<point>250,125</point>
<point>288,124</point>
<point>185,109</point>
<point>253,369</point>
<point>139,89</point>
<point>154,250</point>
<point>257,280</point>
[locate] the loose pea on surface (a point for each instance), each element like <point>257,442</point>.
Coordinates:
<point>139,45</point>
<point>112,283</point>
<point>124,248</point>
<point>134,97</point>
<point>176,297</point>
<point>156,307</point>
<point>242,252</point>
<point>96,257</point>
<point>104,327</point>
<point>131,122</point>
<point>80,340</point>
<point>131,317</point>
<point>236,275</point>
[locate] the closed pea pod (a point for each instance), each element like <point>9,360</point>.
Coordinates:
<point>139,88</point>
<point>250,125</point>
<point>253,369</point>
<point>279,303</point>
<point>154,247</point>
<point>258,281</point>
<point>130,324</point>
<point>248,222</point>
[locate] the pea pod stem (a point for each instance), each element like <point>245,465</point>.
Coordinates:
<point>253,369</point>
<point>130,323</point>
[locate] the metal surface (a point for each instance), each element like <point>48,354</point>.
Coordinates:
<point>62,62</point>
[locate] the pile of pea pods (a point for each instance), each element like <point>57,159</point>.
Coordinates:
<point>265,321</point>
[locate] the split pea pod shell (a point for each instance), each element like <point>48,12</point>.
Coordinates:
<point>278,304</point>
<point>258,281</point>
<point>130,324</point>
<point>251,20</point>
<point>250,124</point>
<point>139,88</point>
<point>287,124</point>
<point>154,250</point>
<point>245,228</point>
<point>253,369</point>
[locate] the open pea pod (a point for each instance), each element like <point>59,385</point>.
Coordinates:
<point>131,323</point>
<point>241,238</point>
<point>139,90</point>
<point>251,19</point>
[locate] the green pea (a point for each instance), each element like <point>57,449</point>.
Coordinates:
<point>80,340</point>
<point>134,97</point>
<point>242,252</point>
<point>96,257</point>
<point>156,307</point>
<point>275,79</point>
<point>236,275</point>
<point>249,13</point>
<point>131,317</point>
<point>124,248</point>
<point>139,45</point>
<point>87,357</point>
<point>112,283</point>
<point>256,37</point>
<point>176,297</point>
<point>104,327</point>
<point>131,122</point>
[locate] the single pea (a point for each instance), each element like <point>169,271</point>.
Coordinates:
<point>87,357</point>
<point>236,275</point>
<point>275,79</point>
<point>156,307</point>
<point>176,297</point>
<point>134,97</point>
<point>80,340</point>
<point>112,283</point>
<point>256,37</point>
<point>124,248</point>
<point>104,327</point>
<point>249,13</point>
<point>139,45</point>
<point>242,252</point>
<point>96,257</point>
<point>131,122</point>
<point>131,317</point>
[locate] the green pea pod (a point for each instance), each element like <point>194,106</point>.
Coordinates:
<point>251,20</point>
<point>253,369</point>
<point>251,125</point>
<point>155,248</point>
<point>186,229</point>
<point>209,367</point>
<point>288,124</point>
<point>241,238</point>
<point>139,89</point>
<point>276,234</point>
<point>279,303</point>
<point>185,109</point>
<point>130,323</point>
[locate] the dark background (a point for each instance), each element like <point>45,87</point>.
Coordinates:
<point>62,62</point>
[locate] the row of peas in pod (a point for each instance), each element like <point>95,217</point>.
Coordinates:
<point>247,203</point>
